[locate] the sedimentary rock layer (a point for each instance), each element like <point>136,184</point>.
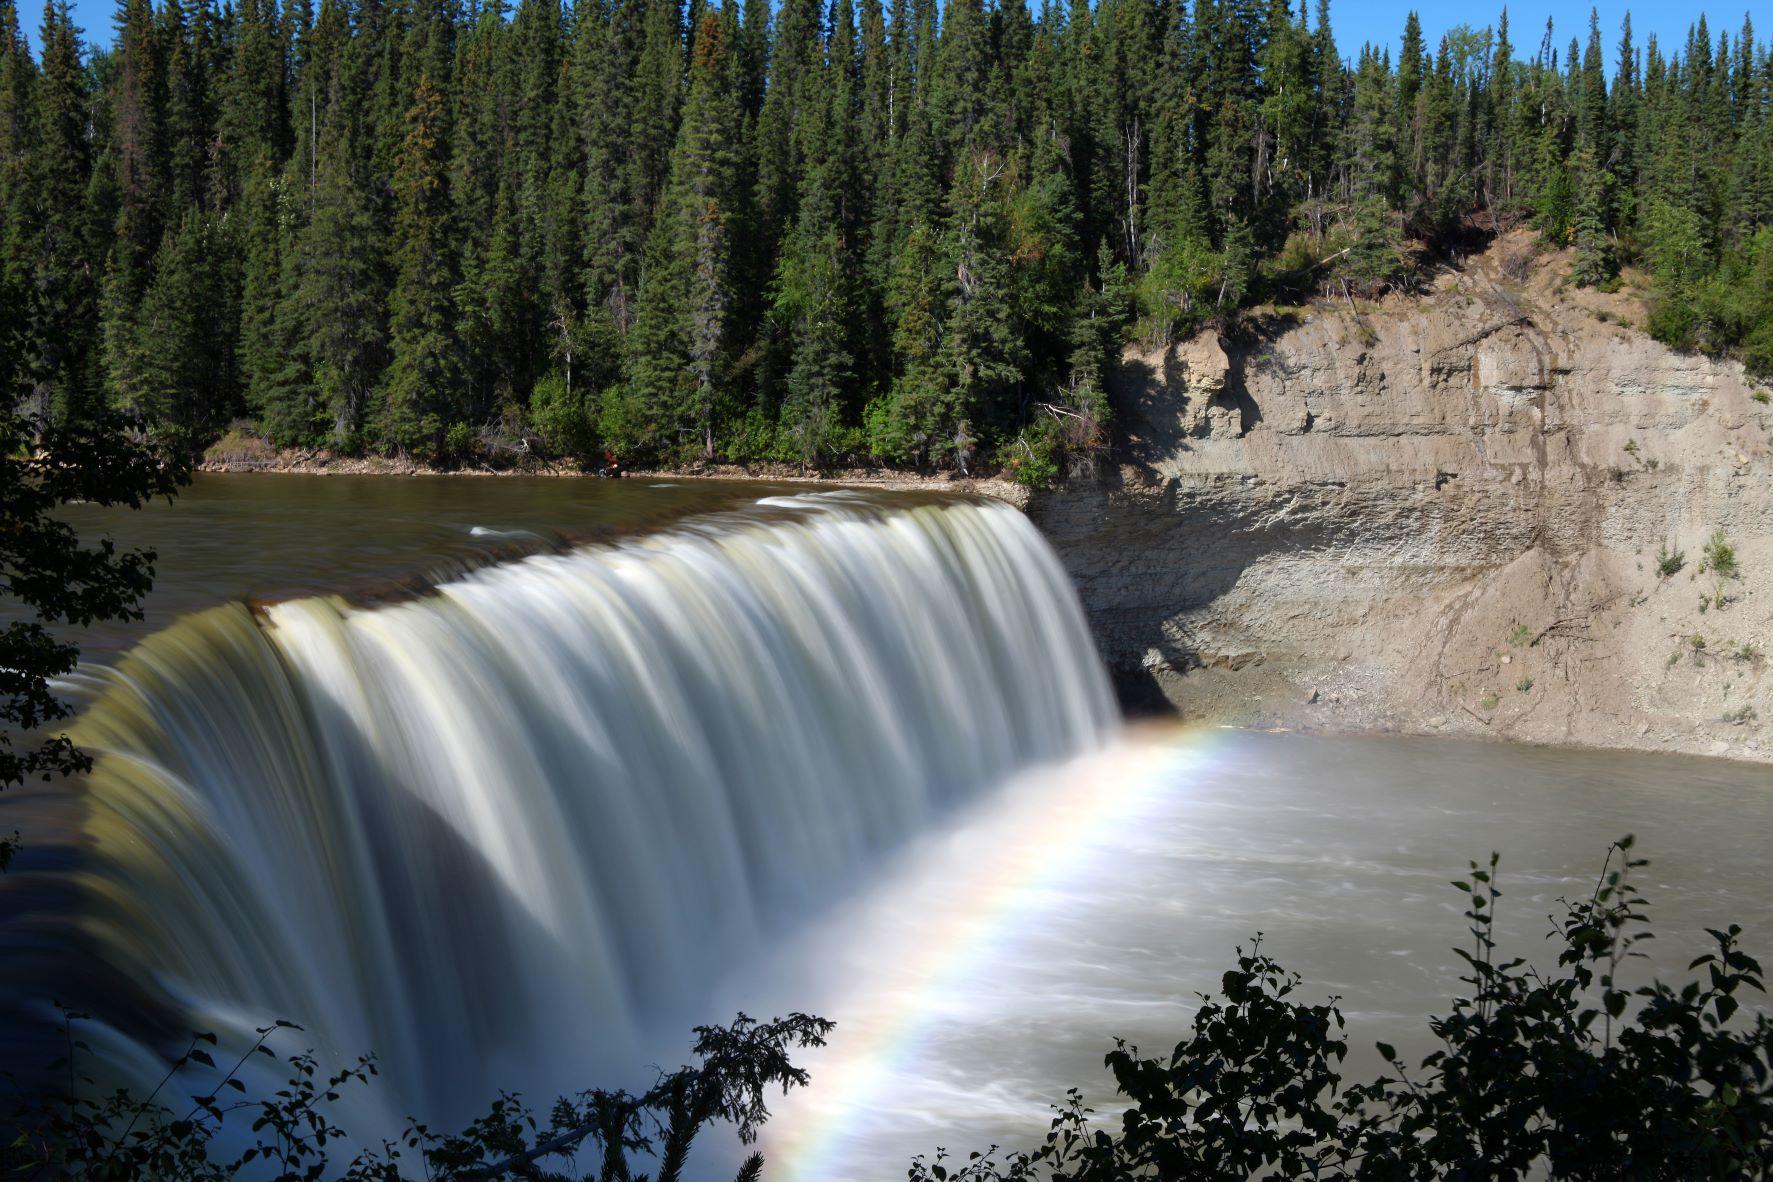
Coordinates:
<point>1442,512</point>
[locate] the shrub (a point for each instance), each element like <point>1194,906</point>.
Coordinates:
<point>122,1136</point>
<point>562,418</point>
<point>1561,1073</point>
<point>1032,458</point>
<point>461,442</point>
<point>1720,556</point>
<point>1669,562</point>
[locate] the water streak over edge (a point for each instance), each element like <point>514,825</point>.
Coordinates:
<point>527,819</point>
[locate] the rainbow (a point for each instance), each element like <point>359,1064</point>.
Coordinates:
<point>1038,834</point>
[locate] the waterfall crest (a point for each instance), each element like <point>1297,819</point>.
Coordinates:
<point>534,810</point>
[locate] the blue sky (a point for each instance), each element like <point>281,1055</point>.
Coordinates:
<point>1355,21</point>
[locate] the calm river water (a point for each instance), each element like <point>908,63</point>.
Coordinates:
<point>985,966</point>
<point>990,969</point>
<point>280,535</point>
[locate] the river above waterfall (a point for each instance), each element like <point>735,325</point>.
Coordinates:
<point>511,781</point>
<point>271,536</point>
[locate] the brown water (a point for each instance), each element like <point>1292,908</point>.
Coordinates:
<point>984,970</point>
<point>990,970</point>
<point>277,536</point>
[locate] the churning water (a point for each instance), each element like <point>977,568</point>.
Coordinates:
<point>523,824</point>
<point>512,828</point>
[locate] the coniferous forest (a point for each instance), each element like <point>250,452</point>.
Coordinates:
<point>807,233</point>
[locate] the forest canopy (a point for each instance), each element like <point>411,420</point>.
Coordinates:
<point>803,232</point>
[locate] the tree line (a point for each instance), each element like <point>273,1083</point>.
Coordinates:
<point>809,232</point>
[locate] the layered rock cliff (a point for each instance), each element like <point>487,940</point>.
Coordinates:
<point>1444,513</point>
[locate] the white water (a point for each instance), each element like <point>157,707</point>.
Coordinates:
<point>506,833</point>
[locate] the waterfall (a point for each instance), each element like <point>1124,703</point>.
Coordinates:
<point>520,820</point>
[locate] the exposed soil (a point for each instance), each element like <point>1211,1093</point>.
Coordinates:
<point>1440,513</point>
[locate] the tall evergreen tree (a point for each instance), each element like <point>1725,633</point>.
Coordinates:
<point>18,230</point>
<point>680,350</point>
<point>422,397</point>
<point>61,329</point>
<point>813,294</point>
<point>905,228</point>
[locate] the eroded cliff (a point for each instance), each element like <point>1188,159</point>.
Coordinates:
<point>1445,513</point>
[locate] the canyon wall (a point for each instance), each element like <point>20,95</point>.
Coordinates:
<point>1440,513</point>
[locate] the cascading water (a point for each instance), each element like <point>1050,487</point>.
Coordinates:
<point>500,832</point>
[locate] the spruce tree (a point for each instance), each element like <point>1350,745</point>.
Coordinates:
<point>18,231</point>
<point>422,398</point>
<point>813,296</point>
<point>186,371</point>
<point>679,352</point>
<point>61,329</point>
<point>884,231</point>
<point>1595,260</point>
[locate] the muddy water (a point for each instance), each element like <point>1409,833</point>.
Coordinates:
<point>983,970</point>
<point>991,968</point>
<point>278,536</point>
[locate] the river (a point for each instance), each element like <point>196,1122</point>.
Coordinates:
<point>697,747</point>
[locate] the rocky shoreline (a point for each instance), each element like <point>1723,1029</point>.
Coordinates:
<point>1483,510</point>
<point>1453,512</point>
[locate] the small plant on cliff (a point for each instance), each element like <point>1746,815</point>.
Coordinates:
<point>1524,685</point>
<point>1720,560</point>
<point>1518,635</point>
<point>1669,562</point>
<point>1742,715</point>
<point>1696,643</point>
<point>1720,556</point>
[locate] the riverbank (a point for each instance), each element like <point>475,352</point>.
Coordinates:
<point>1493,508</point>
<point>240,452</point>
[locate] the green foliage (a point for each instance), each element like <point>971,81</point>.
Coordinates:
<point>1562,1072</point>
<point>1595,261</point>
<point>460,442</point>
<point>680,353</point>
<point>1720,556</point>
<point>1669,562</point>
<point>231,1129</point>
<point>562,417</point>
<point>45,568</point>
<point>424,384</point>
<point>810,234</point>
<point>1678,258</point>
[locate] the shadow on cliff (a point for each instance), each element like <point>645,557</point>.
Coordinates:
<point>1143,550</point>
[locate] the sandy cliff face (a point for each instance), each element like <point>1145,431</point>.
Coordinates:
<point>1440,513</point>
